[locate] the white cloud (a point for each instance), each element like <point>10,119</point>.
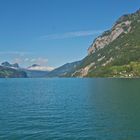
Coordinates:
<point>71,34</point>
<point>24,59</point>
<point>41,68</point>
<point>18,60</point>
<point>40,61</point>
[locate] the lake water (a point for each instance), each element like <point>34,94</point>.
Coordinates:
<point>70,109</point>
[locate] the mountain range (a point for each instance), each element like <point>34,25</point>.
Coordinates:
<point>115,53</point>
<point>15,71</point>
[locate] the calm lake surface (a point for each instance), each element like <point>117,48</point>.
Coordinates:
<point>70,109</point>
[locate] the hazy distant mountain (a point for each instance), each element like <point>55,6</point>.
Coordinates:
<point>116,53</point>
<point>37,71</point>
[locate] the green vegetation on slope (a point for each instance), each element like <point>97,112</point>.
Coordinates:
<point>6,72</point>
<point>130,70</point>
<point>121,58</point>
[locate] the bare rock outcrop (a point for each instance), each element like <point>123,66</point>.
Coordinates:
<point>109,36</point>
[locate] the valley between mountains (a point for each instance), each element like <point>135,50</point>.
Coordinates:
<point>115,53</point>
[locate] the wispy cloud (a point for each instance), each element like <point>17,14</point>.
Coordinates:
<point>22,58</point>
<point>30,61</point>
<point>14,53</point>
<point>71,34</point>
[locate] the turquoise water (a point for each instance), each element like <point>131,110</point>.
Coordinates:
<point>70,109</point>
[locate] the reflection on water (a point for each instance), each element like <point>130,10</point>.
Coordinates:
<point>84,109</point>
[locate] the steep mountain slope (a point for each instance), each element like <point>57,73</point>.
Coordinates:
<point>116,53</point>
<point>64,70</point>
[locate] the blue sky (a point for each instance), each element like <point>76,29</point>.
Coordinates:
<point>54,32</point>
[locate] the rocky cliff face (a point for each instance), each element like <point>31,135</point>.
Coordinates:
<point>110,36</point>
<point>122,26</point>
<point>116,53</point>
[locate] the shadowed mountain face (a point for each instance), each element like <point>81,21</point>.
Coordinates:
<point>14,71</point>
<point>7,64</point>
<point>7,72</point>
<point>116,53</point>
<point>64,70</point>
